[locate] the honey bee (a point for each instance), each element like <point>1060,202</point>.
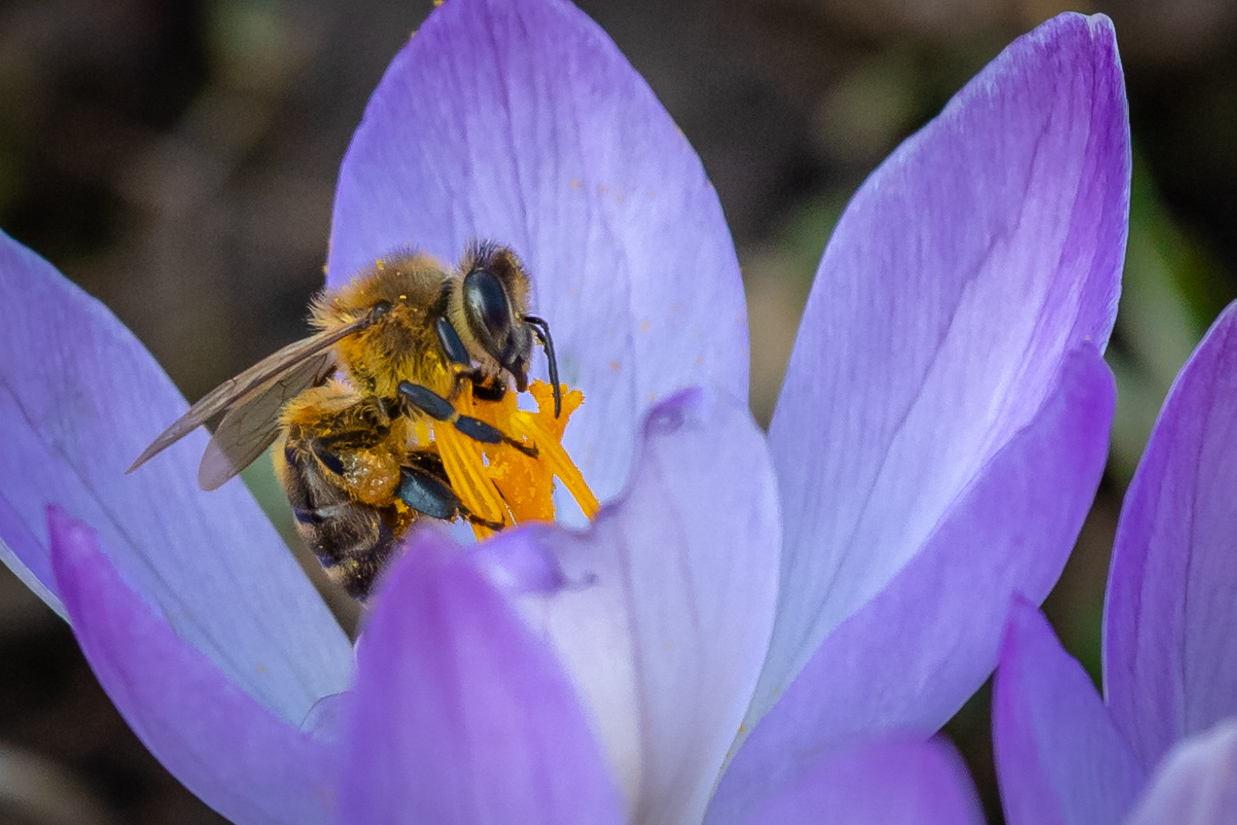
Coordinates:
<point>423,423</point>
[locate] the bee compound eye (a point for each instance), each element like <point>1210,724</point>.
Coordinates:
<point>379,309</point>
<point>485,301</point>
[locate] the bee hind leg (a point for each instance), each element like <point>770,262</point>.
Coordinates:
<point>430,403</point>
<point>426,493</point>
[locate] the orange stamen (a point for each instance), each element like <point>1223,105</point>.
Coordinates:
<point>464,462</point>
<point>527,483</point>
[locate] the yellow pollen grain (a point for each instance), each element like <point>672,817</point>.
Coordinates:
<point>644,326</point>
<point>614,366</point>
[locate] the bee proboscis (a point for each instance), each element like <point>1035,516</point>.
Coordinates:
<point>423,422</point>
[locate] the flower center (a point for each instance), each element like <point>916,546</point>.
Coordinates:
<point>500,483</point>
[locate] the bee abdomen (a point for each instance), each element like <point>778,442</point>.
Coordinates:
<point>305,515</point>
<point>350,539</point>
<point>352,542</point>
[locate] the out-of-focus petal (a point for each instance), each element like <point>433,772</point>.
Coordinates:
<point>79,399</point>
<point>461,715</point>
<point>913,654</point>
<point>1169,668</point>
<point>1059,757</point>
<point>669,602</point>
<point>1197,783</point>
<point>898,781</point>
<point>986,248</point>
<point>523,123</point>
<point>236,755</point>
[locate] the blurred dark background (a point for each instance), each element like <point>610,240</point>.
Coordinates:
<point>178,160</point>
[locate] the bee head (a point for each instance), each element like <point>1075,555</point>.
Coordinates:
<point>494,302</point>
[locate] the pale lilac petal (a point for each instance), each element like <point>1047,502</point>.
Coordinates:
<point>1196,784</point>
<point>79,400</point>
<point>462,715</point>
<point>523,123</point>
<point>669,602</point>
<point>898,781</point>
<point>236,755</point>
<point>913,654</point>
<point>985,249</point>
<point>327,719</point>
<point>518,567</point>
<point>1170,654</point>
<point>1059,757</point>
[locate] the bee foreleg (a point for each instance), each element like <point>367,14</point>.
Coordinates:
<point>461,365</point>
<point>458,357</point>
<point>451,343</point>
<point>438,408</point>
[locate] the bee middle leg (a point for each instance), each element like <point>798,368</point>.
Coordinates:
<point>438,408</point>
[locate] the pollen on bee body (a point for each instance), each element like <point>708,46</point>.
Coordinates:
<point>525,483</point>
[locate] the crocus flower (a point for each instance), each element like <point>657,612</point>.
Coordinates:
<point>1161,745</point>
<point>782,601</point>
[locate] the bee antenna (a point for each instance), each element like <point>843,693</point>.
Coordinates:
<point>542,330</point>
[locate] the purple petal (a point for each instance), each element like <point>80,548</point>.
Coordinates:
<point>898,780</point>
<point>236,755</point>
<point>910,657</point>
<point>668,620</point>
<point>986,248</point>
<point>79,399</point>
<point>523,123</point>
<point>461,715</point>
<point>1197,784</point>
<point>1169,667</point>
<point>1059,757</point>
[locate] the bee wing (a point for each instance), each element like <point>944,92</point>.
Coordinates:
<point>266,372</point>
<point>251,423</point>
